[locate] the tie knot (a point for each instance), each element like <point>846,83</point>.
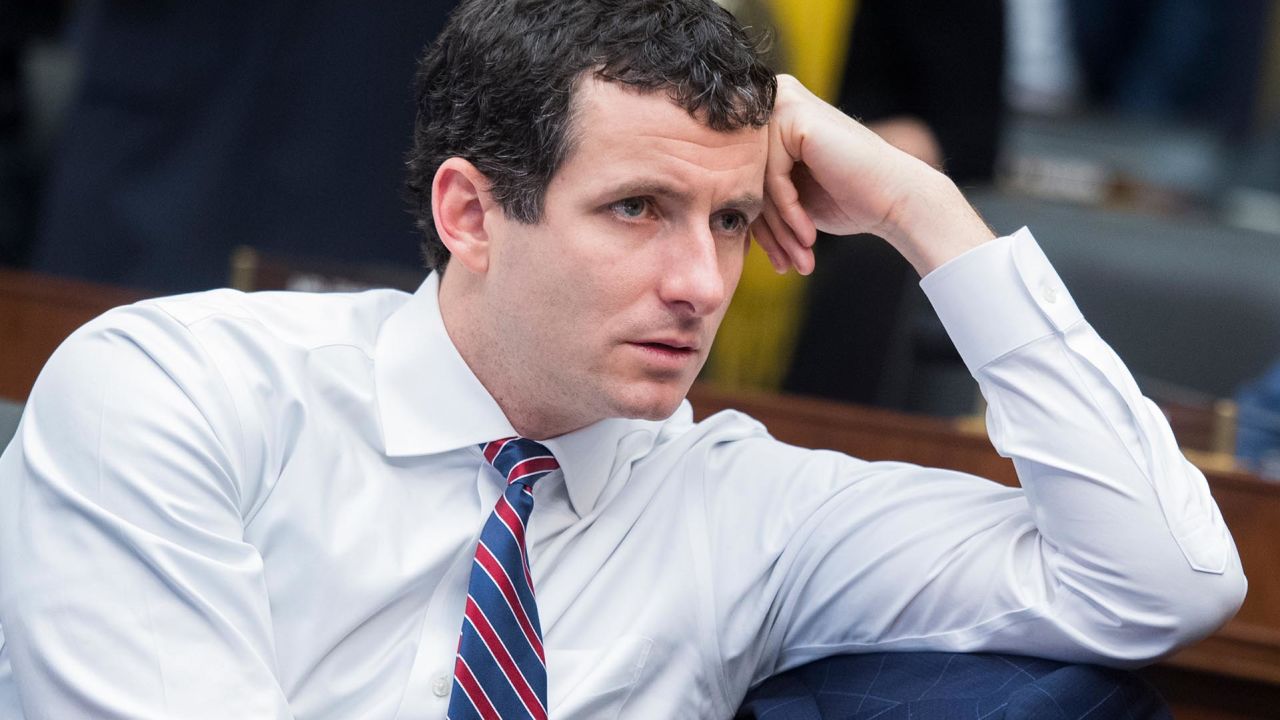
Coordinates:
<point>519,459</point>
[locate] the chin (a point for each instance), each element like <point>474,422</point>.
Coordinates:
<point>649,403</point>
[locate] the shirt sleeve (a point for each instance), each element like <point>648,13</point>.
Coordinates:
<point>126,587</point>
<point>1113,551</point>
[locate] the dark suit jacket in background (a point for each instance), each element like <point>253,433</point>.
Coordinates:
<point>942,62</point>
<point>202,126</point>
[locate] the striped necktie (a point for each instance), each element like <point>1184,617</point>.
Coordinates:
<point>501,671</point>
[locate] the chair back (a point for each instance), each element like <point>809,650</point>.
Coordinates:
<point>1186,302</point>
<point>253,269</point>
<point>10,414</point>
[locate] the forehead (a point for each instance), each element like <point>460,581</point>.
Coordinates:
<point>619,133</point>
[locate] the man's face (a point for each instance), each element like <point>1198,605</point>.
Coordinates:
<point>611,301</point>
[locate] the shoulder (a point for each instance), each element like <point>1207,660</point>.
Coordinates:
<point>734,447</point>
<point>207,380</point>
<point>218,338</point>
<point>241,339</point>
<point>301,320</point>
<point>731,454</point>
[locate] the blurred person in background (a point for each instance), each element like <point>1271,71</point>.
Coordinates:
<point>199,127</point>
<point>926,76</point>
<point>22,24</point>
<point>1258,424</point>
<point>1172,60</point>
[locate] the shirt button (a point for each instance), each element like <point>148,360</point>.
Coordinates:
<point>441,685</point>
<point>1049,293</point>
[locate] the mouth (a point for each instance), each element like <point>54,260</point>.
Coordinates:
<point>668,345</point>
<point>666,351</point>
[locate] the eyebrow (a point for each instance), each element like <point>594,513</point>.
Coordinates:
<point>748,204</point>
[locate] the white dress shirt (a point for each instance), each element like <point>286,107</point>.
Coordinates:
<point>224,505</point>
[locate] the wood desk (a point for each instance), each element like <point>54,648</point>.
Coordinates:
<point>36,313</point>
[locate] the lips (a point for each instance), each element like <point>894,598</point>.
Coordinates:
<point>669,356</point>
<point>668,345</point>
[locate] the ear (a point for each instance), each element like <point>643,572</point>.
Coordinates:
<point>460,200</point>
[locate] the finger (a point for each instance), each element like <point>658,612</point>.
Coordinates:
<point>764,238</point>
<point>782,190</point>
<point>798,255</point>
<point>805,262</point>
<point>778,255</point>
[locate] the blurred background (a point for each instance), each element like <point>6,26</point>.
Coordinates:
<point>172,146</point>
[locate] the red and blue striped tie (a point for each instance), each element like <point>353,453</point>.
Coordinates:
<point>501,670</point>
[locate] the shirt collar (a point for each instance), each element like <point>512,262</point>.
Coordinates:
<point>430,402</point>
<point>589,456</point>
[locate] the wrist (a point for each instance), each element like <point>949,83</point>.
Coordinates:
<point>932,222</point>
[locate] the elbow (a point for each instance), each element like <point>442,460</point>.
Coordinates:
<point>1186,596</point>
<point>1210,603</point>
<point>1152,617</point>
<point>1207,597</point>
<point>1186,614</point>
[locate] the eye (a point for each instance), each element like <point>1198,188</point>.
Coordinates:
<point>632,208</point>
<point>729,222</point>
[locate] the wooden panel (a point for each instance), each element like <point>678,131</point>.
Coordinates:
<point>1206,696</point>
<point>253,269</point>
<point>36,313</point>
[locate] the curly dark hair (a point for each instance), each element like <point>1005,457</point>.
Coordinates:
<point>497,85</point>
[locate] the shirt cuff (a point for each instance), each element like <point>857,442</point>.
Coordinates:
<point>998,297</point>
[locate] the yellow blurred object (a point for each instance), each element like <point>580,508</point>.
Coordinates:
<point>756,339</point>
<point>816,35</point>
<point>754,345</point>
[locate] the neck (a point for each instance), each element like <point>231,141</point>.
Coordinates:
<point>501,374</point>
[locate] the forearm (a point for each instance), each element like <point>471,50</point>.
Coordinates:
<point>1113,552</point>
<point>932,222</point>
<point>1132,535</point>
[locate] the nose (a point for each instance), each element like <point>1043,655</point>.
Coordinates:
<point>693,281</point>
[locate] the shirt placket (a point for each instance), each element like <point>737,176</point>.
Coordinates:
<point>431,678</point>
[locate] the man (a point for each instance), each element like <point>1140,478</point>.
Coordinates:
<point>226,505</point>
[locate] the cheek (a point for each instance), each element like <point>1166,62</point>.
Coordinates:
<point>731,264</point>
<point>616,280</point>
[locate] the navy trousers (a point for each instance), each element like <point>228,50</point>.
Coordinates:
<point>951,686</point>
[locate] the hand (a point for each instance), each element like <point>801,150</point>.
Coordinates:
<point>827,172</point>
